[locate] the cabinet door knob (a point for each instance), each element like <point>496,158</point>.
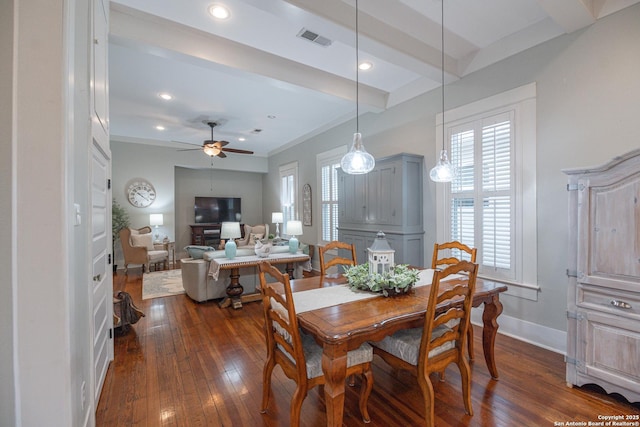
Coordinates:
<point>621,304</point>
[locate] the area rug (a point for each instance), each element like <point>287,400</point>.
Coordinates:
<point>162,284</point>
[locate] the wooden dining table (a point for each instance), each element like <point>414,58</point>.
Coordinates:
<point>345,326</point>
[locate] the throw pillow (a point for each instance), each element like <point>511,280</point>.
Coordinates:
<point>144,240</point>
<point>253,237</point>
<point>196,252</point>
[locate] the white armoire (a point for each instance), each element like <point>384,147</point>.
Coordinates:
<point>603,334</point>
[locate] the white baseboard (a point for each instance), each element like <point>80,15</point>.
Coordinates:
<point>532,333</point>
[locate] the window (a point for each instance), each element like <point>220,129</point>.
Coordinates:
<point>491,204</point>
<point>288,193</point>
<point>328,164</point>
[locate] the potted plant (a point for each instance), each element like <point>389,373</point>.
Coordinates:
<point>399,280</point>
<point>119,220</point>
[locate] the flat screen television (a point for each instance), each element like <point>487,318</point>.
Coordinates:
<point>217,209</point>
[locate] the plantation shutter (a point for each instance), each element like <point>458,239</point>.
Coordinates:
<point>496,189</point>
<point>481,204</point>
<point>329,201</point>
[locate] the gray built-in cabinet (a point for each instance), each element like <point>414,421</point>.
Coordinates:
<point>603,331</point>
<point>388,199</point>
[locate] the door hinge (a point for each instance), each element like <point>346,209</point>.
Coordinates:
<point>110,333</point>
<point>572,273</point>
<point>109,183</point>
<point>575,187</point>
<point>109,259</point>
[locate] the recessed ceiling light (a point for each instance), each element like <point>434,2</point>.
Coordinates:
<point>242,139</point>
<point>219,11</point>
<point>365,65</point>
<point>160,127</point>
<point>165,96</point>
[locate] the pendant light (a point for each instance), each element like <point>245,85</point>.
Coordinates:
<point>357,161</point>
<point>443,171</point>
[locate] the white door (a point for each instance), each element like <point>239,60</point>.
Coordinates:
<point>102,284</point>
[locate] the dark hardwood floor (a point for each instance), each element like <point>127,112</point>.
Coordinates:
<point>194,364</point>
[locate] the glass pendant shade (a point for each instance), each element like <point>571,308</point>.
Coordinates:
<point>357,161</point>
<point>443,171</point>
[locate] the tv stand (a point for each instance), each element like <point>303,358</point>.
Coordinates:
<point>208,234</point>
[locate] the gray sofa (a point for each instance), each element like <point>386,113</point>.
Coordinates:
<point>199,286</point>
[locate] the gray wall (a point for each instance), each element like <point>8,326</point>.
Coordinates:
<point>177,185</point>
<point>588,106</point>
<point>7,366</point>
<point>198,182</point>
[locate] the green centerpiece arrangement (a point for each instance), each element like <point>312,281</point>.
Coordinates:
<point>398,280</point>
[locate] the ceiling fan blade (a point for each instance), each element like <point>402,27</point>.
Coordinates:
<point>185,143</point>
<point>222,155</point>
<point>235,150</point>
<point>222,143</point>
<point>191,149</point>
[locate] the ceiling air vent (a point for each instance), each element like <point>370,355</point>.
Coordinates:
<point>314,37</point>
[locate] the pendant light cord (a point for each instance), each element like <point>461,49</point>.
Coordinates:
<point>357,75</point>
<point>442,59</point>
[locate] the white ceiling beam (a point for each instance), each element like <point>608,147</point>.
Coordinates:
<point>571,15</point>
<point>141,28</point>
<point>371,27</point>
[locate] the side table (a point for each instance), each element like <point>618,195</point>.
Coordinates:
<point>171,248</point>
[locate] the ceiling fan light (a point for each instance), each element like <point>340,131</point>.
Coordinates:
<point>443,171</point>
<point>210,150</point>
<point>357,161</point>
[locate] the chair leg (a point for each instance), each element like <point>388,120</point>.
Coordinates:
<point>428,397</point>
<point>470,341</point>
<point>367,386</point>
<point>465,374</point>
<point>296,404</point>
<point>266,383</point>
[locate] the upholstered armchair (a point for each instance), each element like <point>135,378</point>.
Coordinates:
<point>253,233</point>
<point>138,248</point>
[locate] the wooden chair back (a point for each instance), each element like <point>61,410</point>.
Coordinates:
<point>458,252</point>
<point>441,339</point>
<point>454,321</point>
<point>287,348</point>
<point>325,263</point>
<point>281,323</point>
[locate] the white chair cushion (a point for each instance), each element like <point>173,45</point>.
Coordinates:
<point>405,344</point>
<point>144,240</point>
<point>157,256</point>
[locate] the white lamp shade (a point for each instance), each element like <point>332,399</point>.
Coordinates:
<point>155,219</point>
<point>277,218</point>
<point>230,230</point>
<point>294,228</point>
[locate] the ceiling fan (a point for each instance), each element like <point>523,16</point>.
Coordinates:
<point>216,148</point>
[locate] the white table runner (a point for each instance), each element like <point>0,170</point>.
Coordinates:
<point>333,295</point>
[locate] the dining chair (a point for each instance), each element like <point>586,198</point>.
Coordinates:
<point>439,342</point>
<point>299,356</point>
<point>460,249</point>
<point>456,248</point>
<point>337,260</point>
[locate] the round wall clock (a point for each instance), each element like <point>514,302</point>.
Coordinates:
<point>140,193</point>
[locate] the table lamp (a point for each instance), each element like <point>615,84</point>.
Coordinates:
<point>294,228</point>
<point>277,218</point>
<point>230,230</point>
<point>156,220</point>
